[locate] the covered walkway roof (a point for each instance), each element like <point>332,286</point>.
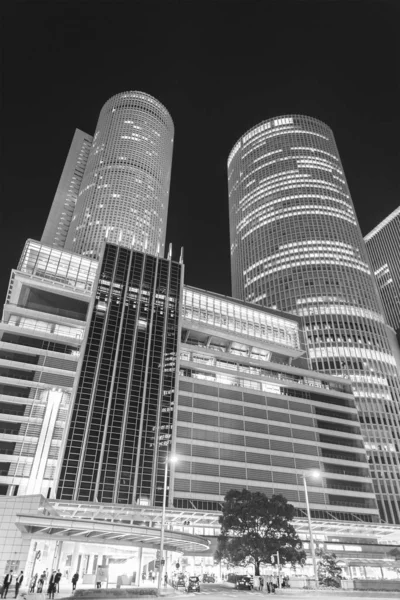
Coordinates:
<point>36,526</point>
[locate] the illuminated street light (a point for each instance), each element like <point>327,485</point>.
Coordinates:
<point>315,474</point>
<point>171,459</point>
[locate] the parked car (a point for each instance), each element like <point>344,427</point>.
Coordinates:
<point>245,582</point>
<point>208,579</point>
<point>193,584</point>
<point>179,581</point>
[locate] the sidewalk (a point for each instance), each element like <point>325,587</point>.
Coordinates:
<point>66,590</point>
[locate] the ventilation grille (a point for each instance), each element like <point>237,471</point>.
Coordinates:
<point>184,401</point>
<point>233,409</point>
<point>300,407</point>
<point>205,404</point>
<point>281,446</point>
<point>257,442</point>
<point>205,451</point>
<point>258,458</point>
<point>283,461</point>
<point>299,420</point>
<point>60,363</point>
<point>207,390</point>
<point>275,416</point>
<point>181,485</point>
<point>205,487</point>
<point>257,413</point>
<point>184,415</point>
<point>303,434</point>
<point>258,475</point>
<point>231,423</point>
<point>55,379</point>
<point>185,386</point>
<point>211,469</point>
<point>305,449</point>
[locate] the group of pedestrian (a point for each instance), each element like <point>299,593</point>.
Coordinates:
<point>7,581</point>
<point>151,576</point>
<point>37,584</point>
<point>271,582</point>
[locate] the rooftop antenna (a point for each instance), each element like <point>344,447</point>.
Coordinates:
<point>170,252</point>
<point>181,256</point>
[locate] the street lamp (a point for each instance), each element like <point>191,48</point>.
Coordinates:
<point>171,459</point>
<point>315,474</point>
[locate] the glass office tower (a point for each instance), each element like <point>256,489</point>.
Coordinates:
<point>383,245</point>
<point>62,209</point>
<point>125,188</point>
<point>122,417</point>
<point>296,245</point>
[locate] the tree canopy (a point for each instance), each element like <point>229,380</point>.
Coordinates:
<point>254,527</point>
<point>329,572</point>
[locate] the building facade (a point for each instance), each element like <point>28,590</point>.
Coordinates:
<point>249,418</point>
<point>41,333</point>
<point>383,246</point>
<point>121,423</point>
<point>296,245</point>
<point>63,206</point>
<point>124,191</point>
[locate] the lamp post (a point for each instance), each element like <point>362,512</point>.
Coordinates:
<point>315,474</point>
<point>171,459</point>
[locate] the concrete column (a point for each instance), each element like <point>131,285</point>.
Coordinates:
<point>140,566</point>
<point>75,556</point>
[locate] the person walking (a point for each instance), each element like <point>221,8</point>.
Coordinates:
<point>57,581</point>
<point>52,585</point>
<point>40,584</point>
<point>18,582</point>
<point>75,581</point>
<point>6,583</point>
<point>32,584</point>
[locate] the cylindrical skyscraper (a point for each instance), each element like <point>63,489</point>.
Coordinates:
<point>296,245</point>
<point>125,188</point>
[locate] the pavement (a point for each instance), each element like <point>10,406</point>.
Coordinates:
<point>226,591</point>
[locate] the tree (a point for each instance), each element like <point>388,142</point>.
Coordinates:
<point>254,527</point>
<point>329,572</point>
<point>396,553</point>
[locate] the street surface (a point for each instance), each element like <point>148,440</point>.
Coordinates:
<point>215,591</point>
<point>226,591</point>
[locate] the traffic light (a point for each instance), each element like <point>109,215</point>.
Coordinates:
<point>177,565</point>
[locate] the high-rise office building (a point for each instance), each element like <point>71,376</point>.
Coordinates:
<point>125,188</point>
<point>383,245</point>
<point>296,245</point>
<point>63,206</point>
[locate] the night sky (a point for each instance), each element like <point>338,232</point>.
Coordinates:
<point>219,67</point>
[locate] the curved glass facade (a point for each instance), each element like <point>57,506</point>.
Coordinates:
<point>296,245</point>
<point>125,189</point>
